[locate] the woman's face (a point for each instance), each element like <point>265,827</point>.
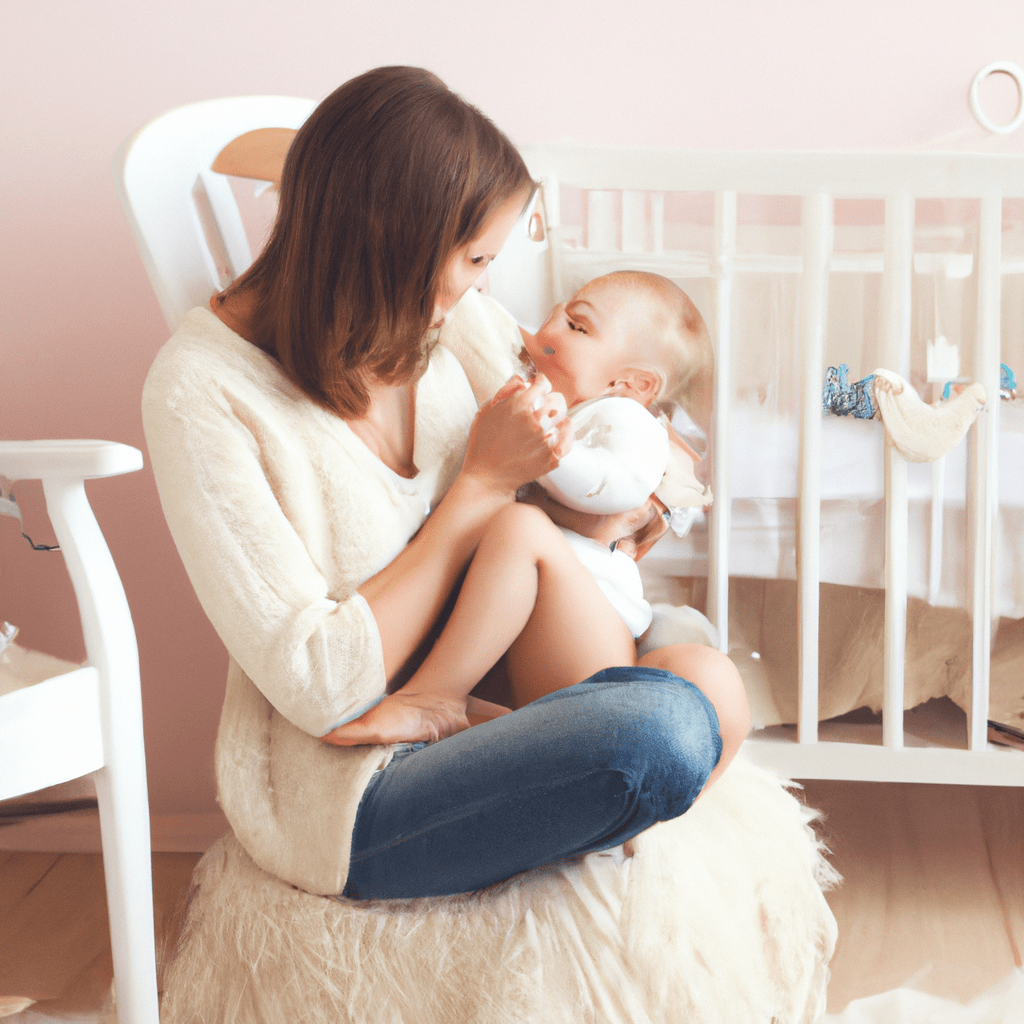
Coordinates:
<point>469,261</point>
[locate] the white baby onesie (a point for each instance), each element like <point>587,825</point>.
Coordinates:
<point>620,456</point>
<point>618,577</point>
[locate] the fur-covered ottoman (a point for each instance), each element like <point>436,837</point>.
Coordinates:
<point>717,916</point>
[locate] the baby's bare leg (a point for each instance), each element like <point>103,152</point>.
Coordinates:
<point>573,630</point>
<point>526,591</point>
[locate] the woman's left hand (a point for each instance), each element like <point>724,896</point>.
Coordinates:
<point>518,435</point>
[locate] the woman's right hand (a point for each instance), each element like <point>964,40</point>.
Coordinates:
<point>520,434</point>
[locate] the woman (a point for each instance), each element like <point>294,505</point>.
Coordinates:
<point>300,432</point>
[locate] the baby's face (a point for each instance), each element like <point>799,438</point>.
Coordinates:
<point>588,342</point>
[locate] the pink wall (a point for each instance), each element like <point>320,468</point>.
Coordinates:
<point>79,324</point>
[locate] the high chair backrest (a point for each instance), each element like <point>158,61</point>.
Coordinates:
<point>183,215</point>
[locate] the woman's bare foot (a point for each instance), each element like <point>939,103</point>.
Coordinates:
<point>405,717</point>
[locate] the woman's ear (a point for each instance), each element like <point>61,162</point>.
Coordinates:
<point>642,385</point>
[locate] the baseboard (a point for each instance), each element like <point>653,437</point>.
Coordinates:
<point>79,832</point>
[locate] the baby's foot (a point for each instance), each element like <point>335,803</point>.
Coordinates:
<point>403,718</point>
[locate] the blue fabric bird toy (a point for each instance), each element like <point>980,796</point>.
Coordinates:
<point>843,398</point>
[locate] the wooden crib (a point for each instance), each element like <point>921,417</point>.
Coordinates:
<point>718,222</point>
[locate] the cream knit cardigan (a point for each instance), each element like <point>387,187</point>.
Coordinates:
<point>279,513</point>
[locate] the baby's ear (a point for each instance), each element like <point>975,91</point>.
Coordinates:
<point>642,385</point>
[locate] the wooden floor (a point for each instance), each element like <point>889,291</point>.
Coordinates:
<point>933,893</point>
<point>54,941</point>
<point>933,889</point>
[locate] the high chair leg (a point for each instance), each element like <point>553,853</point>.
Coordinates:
<point>127,865</point>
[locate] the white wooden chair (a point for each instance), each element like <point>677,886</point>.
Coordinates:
<point>89,721</point>
<point>183,215</point>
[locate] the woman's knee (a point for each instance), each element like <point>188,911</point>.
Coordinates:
<point>714,674</point>
<point>662,741</point>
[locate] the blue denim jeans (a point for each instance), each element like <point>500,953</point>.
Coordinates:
<point>579,770</point>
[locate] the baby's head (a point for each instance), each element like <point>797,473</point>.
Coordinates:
<point>628,333</point>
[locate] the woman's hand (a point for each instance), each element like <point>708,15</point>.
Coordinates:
<point>518,435</point>
<point>507,446</point>
<point>405,717</point>
<point>634,532</point>
<point>649,526</point>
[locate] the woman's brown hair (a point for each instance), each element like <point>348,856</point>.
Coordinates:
<point>386,179</point>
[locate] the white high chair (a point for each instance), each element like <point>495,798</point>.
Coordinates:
<point>183,215</point>
<point>89,721</point>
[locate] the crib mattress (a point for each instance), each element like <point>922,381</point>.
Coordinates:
<point>763,486</point>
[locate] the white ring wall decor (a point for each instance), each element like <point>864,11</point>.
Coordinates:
<point>1017,74</point>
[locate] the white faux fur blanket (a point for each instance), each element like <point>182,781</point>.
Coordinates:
<point>717,916</point>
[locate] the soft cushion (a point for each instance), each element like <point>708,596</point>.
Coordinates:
<point>717,916</point>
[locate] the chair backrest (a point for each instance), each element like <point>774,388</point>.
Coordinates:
<point>183,215</point>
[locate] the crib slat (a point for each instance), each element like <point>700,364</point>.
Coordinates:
<point>897,276</point>
<point>984,463</point>
<point>895,637</point>
<point>895,337</point>
<point>602,235</point>
<point>634,221</point>
<point>718,549</point>
<point>658,222</point>
<point>935,536</point>
<point>551,196</point>
<point>817,230</point>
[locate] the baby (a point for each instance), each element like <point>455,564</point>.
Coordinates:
<point>561,606</point>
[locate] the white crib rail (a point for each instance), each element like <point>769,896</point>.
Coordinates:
<point>897,271</point>
<point>817,229</point>
<point>723,269</point>
<point>624,225</point>
<point>984,462</point>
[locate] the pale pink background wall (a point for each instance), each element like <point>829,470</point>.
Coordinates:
<point>79,324</point>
